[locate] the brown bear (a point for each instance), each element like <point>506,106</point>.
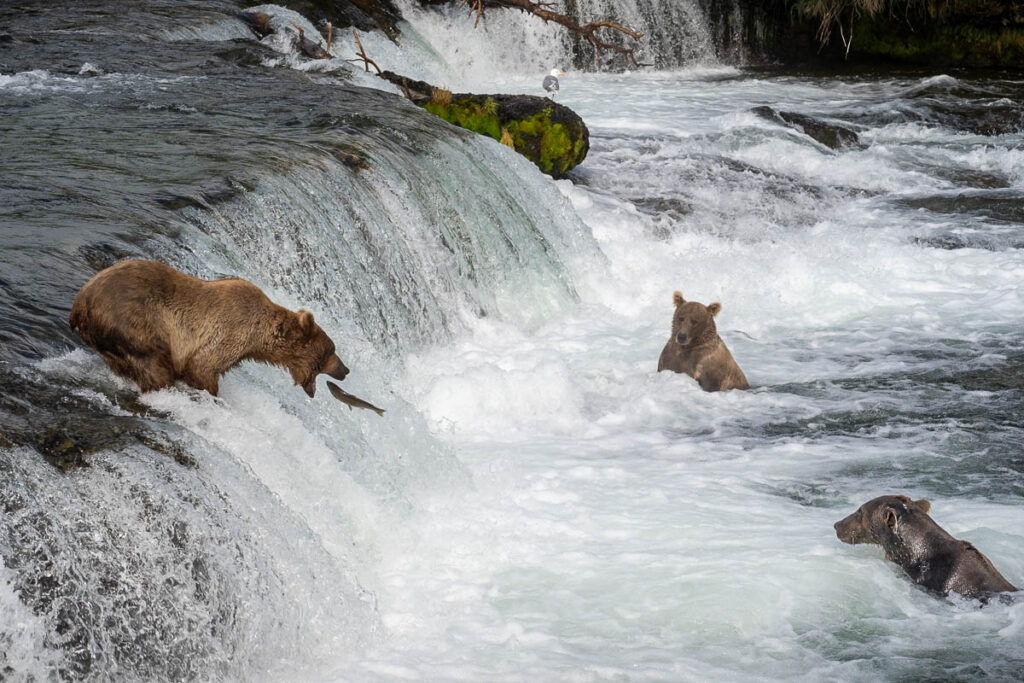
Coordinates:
<point>925,551</point>
<point>153,325</point>
<point>695,348</point>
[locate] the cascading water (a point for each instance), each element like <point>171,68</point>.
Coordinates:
<point>255,563</point>
<point>537,503</point>
<point>674,33</point>
<point>447,46</point>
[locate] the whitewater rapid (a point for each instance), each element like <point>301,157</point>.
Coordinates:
<point>625,524</point>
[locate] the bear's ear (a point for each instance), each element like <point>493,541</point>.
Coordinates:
<point>677,298</point>
<point>923,505</point>
<point>305,320</point>
<point>714,308</point>
<point>891,520</point>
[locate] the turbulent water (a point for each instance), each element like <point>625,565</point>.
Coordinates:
<point>537,503</point>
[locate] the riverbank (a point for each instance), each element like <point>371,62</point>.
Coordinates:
<point>967,34</point>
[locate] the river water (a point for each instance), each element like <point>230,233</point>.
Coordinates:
<point>537,503</point>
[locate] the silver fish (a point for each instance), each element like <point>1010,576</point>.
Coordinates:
<point>350,400</point>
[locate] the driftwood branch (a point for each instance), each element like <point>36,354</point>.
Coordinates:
<point>367,62</point>
<point>475,6</point>
<point>586,31</point>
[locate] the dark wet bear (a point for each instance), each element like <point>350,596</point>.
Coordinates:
<point>925,551</point>
<point>153,325</point>
<point>695,348</point>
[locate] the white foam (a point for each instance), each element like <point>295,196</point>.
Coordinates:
<point>23,638</point>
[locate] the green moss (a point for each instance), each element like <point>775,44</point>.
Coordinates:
<point>959,44</point>
<point>547,144</point>
<point>469,115</point>
<point>972,33</point>
<point>553,146</point>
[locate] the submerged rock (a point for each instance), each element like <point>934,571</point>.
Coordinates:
<point>261,26</point>
<point>65,427</point>
<point>549,134</point>
<point>365,15</point>
<point>831,135</point>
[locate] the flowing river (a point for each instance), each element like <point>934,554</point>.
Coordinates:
<point>537,503</point>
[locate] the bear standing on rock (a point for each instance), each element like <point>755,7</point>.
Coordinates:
<point>153,325</point>
<point>696,349</point>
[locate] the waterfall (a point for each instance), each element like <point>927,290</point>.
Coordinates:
<point>397,254</point>
<point>214,537</point>
<point>675,31</point>
<point>444,45</point>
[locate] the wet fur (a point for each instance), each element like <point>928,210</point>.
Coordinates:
<point>702,354</point>
<point>926,552</point>
<point>153,325</point>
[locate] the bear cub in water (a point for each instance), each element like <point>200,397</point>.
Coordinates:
<point>153,325</point>
<point>695,348</point>
<point>925,551</point>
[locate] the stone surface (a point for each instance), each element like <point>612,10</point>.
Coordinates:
<point>549,134</point>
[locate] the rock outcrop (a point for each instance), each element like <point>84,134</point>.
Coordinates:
<point>549,134</point>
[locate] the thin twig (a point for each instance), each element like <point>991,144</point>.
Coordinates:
<point>367,62</point>
<point>587,31</point>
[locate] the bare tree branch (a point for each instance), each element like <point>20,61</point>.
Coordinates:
<point>587,31</point>
<point>367,62</point>
<point>475,6</point>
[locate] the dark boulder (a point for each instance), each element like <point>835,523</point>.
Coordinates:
<point>365,15</point>
<point>831,135</point>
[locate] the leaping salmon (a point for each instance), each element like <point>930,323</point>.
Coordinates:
<point>352,401</point>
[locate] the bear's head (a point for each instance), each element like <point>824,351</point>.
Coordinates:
<point>879,519</point>
<point>306,350</point>
<point>693,322</point>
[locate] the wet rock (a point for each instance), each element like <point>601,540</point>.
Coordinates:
<point>259,22</point>
<point>65,428</point>
<point>1009,377</point>
<point>832,135</point>
<point>549,134</point>
<point>1001,207</point>
<point>311,48</point>
<point>351,160</point>
<point>365,15</point>
<point>205,196</point>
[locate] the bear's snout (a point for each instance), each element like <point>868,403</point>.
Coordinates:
<point>335,368</point>
<point>681,339</point>
<point>846,531</point>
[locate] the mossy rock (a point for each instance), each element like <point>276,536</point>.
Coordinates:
<point>549,134</point>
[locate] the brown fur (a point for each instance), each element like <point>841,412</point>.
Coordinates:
<point>695,348</point>
<point>925,551</point>
<point>153,325</point>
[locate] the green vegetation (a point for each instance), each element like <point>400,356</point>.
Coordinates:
<point>947,32</point>
<point>468,114</point>
<point>548,134</point>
